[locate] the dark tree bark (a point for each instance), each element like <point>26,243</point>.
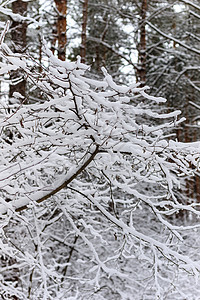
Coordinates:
<point>18,36</point>
<point>84,28</point>
<point>141,72</point>
<point>61,27</point>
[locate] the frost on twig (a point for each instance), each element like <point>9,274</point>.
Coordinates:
<point>89,187</point>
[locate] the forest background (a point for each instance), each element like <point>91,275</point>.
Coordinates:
<point>99,184</point>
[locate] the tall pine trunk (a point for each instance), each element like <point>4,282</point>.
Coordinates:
<point>84,28</point>
<point>61,27</point>
<point>141,72</point>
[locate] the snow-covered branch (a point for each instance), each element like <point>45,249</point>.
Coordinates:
<point>92,159</point>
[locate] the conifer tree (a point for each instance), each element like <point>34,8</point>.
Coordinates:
<point>61,28</point>
<point>84,31</point>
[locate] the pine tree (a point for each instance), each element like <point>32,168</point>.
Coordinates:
<point>84,31</point>
<point>104,36</point>
<point>142,51</point>
<point>61,28</point>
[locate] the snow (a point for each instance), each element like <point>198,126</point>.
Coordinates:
<point>89,181</point>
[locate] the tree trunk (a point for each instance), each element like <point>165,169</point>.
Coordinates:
<point>83,34</point>
<point>141,73</point>
<point>18,36</point>
<point>61,26</point>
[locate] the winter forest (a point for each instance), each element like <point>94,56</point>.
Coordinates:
<point>99,149</point>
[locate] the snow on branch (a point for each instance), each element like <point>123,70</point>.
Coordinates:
<point>170,37</point>
<point>191,4</point>
<point>90,165</point>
